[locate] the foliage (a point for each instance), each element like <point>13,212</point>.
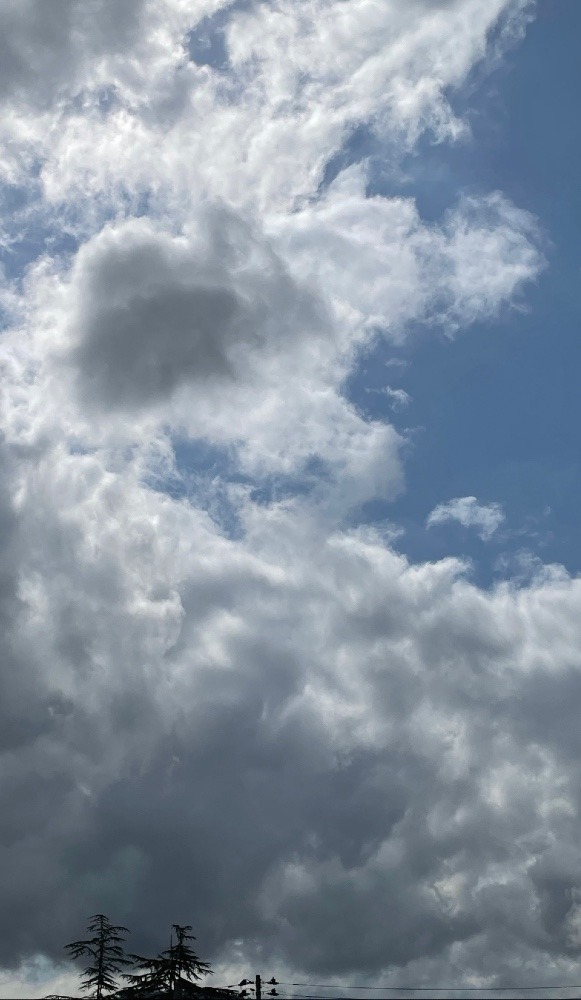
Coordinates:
<point>175,964</point>
<point>106,951</point>
<point>186,962</point>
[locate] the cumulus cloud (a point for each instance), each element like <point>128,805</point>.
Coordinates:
<point>273,726</point>
<point>383,719</point>
<point>382,266</point>
<point>298,82</point>
<point>150,311</point>
<point>486,518</point>
<point>49,57</point>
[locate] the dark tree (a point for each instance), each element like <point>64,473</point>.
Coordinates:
<point>105,950</point>
<point>156,979</point>
<point>186,963</point>
<point>177,965</point>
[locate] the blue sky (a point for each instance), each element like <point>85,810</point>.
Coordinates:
<point>498,409</point>
<point>289,482</point>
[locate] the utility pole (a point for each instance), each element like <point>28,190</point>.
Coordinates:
<point>256,989</point>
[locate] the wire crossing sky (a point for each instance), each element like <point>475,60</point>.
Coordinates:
<point>289,454</point>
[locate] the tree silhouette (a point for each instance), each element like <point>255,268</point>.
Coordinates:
<point>105,950</point>
<point>187,965</point>
<point>177,963</point>
<point>157,979</point>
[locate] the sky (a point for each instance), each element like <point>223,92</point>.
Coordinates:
<point>289,553</point>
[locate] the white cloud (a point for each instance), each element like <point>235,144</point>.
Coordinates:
<point>382,267</point>
<point>300,79</point>
<point>355,764</point>
<point>486,518</point>
<point>398,398</point>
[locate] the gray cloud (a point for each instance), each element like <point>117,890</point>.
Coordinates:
<point>152,312</point>
<point>320,751</point>
<point>140,351</point>
<point>28,708</point>
<point>44,48</point>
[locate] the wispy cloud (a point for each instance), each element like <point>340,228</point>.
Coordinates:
<point>398,398</point>
<point>485,518</point>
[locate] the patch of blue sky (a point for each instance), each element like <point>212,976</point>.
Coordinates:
<point>79,448</point>
<point>361,144</point>
<point>28,232</point>
<point>313,477</point>
<point>496,412</point>
<point>23,244</point>
<point>136,205</point>
<point>194,462</point>
<point>206,43</point>
<point>207,476</point>
<point>207,46</point>
<point>17,245</point>
<point>29,229</point>
<point>105,99</point>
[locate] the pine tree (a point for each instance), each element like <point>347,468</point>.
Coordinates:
<point>157,978</point>
<point>186,963</point>
<point>105,950</point>
<point>177,963</point>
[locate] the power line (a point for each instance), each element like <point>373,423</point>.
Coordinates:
<point>384,989</point>
<point>434,989</point>
<point>423,989</point>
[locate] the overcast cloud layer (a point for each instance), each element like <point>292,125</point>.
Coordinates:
<point>225,700</point>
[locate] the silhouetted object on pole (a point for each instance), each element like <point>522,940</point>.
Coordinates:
<point>257,988</point>
<point>105,950</point>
